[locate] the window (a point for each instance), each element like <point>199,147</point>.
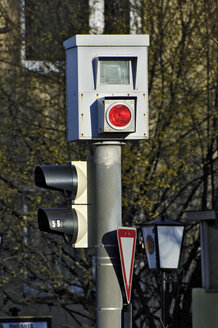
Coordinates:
<point>49,22</point>
<point>117,16</point>
<point>114,72</point>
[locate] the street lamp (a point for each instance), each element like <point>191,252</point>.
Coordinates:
<point>163,240</point>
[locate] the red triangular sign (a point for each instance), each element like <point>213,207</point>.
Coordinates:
<point>127,241</point>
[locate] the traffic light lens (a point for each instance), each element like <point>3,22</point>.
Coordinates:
<point>119,116</point>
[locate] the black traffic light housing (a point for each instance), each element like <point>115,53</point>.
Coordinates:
<point>73,222</point>
<point>57,177</point>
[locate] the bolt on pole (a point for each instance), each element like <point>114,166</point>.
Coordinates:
<point>109,300</point>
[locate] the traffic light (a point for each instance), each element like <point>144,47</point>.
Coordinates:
<point>74,222</point>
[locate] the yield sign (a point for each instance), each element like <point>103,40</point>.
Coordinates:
<point>127,241</point>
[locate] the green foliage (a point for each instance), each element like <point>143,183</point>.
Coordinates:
<point>175,170</point>
<point>35,267</point>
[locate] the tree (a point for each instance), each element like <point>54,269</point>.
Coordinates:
<point>175,170</point>
<point>36,268</point>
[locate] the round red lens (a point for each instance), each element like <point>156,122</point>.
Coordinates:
<point>119,115</point>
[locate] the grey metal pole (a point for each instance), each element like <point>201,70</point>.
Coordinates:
<point>163,299</point>
<point>127,315</point>
<point>109,301</point>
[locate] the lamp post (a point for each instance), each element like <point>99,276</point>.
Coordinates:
<point>163,240</point>
<point>1,239</point>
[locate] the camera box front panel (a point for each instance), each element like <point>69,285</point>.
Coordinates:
<point>99,76</point>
